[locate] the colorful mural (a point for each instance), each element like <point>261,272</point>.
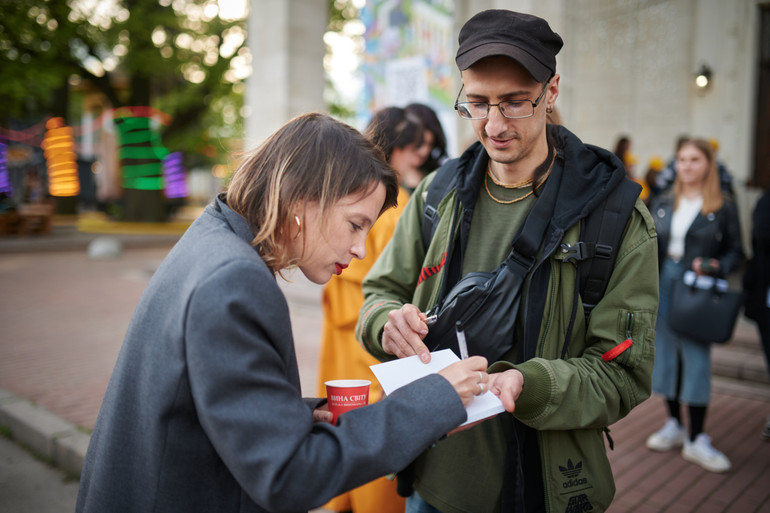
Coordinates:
<point>409,57</point>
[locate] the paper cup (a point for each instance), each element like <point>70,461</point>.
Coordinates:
<point>346,394</point>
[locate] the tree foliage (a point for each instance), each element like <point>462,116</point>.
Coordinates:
<point>341,12</point>
<point>178,56</point>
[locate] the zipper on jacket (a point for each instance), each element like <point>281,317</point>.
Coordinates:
<point>629,333</point>
<point>547,328</point>
<point>629,325</point>
<point>627,343</point>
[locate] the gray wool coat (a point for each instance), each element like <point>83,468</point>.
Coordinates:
<point>204,411</point>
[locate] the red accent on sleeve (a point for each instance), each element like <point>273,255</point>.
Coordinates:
<point>427,272</point>
<point>615,351</point>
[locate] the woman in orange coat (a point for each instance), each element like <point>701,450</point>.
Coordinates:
<point>399,135</point>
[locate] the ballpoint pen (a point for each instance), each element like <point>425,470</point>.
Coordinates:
<point>461,340</point>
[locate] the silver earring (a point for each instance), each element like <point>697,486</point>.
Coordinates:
<point>299,224</point>
<point>549,109</point>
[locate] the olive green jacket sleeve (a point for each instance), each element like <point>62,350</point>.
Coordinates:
<point>392,280</point>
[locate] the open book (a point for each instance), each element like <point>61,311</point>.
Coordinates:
<point>397,373</point>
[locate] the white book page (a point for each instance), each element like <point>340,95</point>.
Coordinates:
<point>397,373</point>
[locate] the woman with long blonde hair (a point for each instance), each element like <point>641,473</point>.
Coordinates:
<point>698,230</point>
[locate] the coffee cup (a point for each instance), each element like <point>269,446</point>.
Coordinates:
<point>345,395</point>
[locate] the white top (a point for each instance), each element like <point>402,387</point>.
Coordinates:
<point>681,221</point>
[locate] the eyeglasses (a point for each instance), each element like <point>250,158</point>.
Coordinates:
<point>511,109</point>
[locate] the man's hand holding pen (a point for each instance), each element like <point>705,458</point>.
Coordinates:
<point>404,332</point>
<point>403,336</point>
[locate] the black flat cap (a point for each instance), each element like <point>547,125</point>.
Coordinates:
<point>527,39</point>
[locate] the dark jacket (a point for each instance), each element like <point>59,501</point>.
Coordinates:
<point>756,281</point>
<point>715,235</point>
<point>204,410</point>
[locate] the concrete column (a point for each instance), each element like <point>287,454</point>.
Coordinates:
<point>285,38</point>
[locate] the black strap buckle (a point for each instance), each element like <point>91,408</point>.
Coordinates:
<point>583,250</point>
<point>603,251</point>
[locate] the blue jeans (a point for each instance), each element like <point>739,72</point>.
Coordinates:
<point>416,504</point>
<point>695,389</point>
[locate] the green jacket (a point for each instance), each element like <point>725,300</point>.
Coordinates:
<point>568,401</point>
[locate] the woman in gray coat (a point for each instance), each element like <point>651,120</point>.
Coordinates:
<point>204,410</point>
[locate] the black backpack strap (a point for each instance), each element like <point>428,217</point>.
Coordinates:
<point>443,182</point>
<point>527,242</point>
<point>600,240</point>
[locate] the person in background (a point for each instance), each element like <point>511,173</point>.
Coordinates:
<point>756,280</point>
<point>667,176</point>
<point>698,229</point>
<point>654,168</point>
<point>623,152</point>
<point>204,411</point>
<point>433,148</point>
<point>557,388</point>
<point>400,135</point>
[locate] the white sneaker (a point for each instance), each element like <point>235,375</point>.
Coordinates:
<point>702,453</point>
<point>668,437</point>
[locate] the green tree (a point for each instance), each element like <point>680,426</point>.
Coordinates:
<point>180,57</point>
<point>341,14</point>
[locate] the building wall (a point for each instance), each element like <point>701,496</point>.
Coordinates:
<point>628,67</point>
<point>285,38</point>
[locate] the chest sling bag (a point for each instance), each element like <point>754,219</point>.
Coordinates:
<point>487,303</point>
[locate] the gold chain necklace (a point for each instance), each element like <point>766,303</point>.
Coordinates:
<point>516,200</point>
<point>519,185</point>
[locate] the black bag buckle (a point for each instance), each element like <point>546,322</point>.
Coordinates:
<point>583,250</point>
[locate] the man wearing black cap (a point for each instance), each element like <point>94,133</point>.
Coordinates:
<point>567,369</point>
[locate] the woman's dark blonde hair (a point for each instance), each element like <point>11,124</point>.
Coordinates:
<point>712,193</point>
<point>312,158</point>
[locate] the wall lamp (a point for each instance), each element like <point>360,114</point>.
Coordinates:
<point>703,77</point>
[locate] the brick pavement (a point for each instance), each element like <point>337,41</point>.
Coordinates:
<point>63,317</point>
<point>650,481</point>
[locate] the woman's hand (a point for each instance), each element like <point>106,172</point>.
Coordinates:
<point>403,333</point>
<point>507,386</point>
<point>468,377</point>
<point>322,414</point>
<point>705,266</point>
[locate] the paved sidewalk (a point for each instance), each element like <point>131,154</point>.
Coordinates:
<point>63,317</point>
<point>28,485</point>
